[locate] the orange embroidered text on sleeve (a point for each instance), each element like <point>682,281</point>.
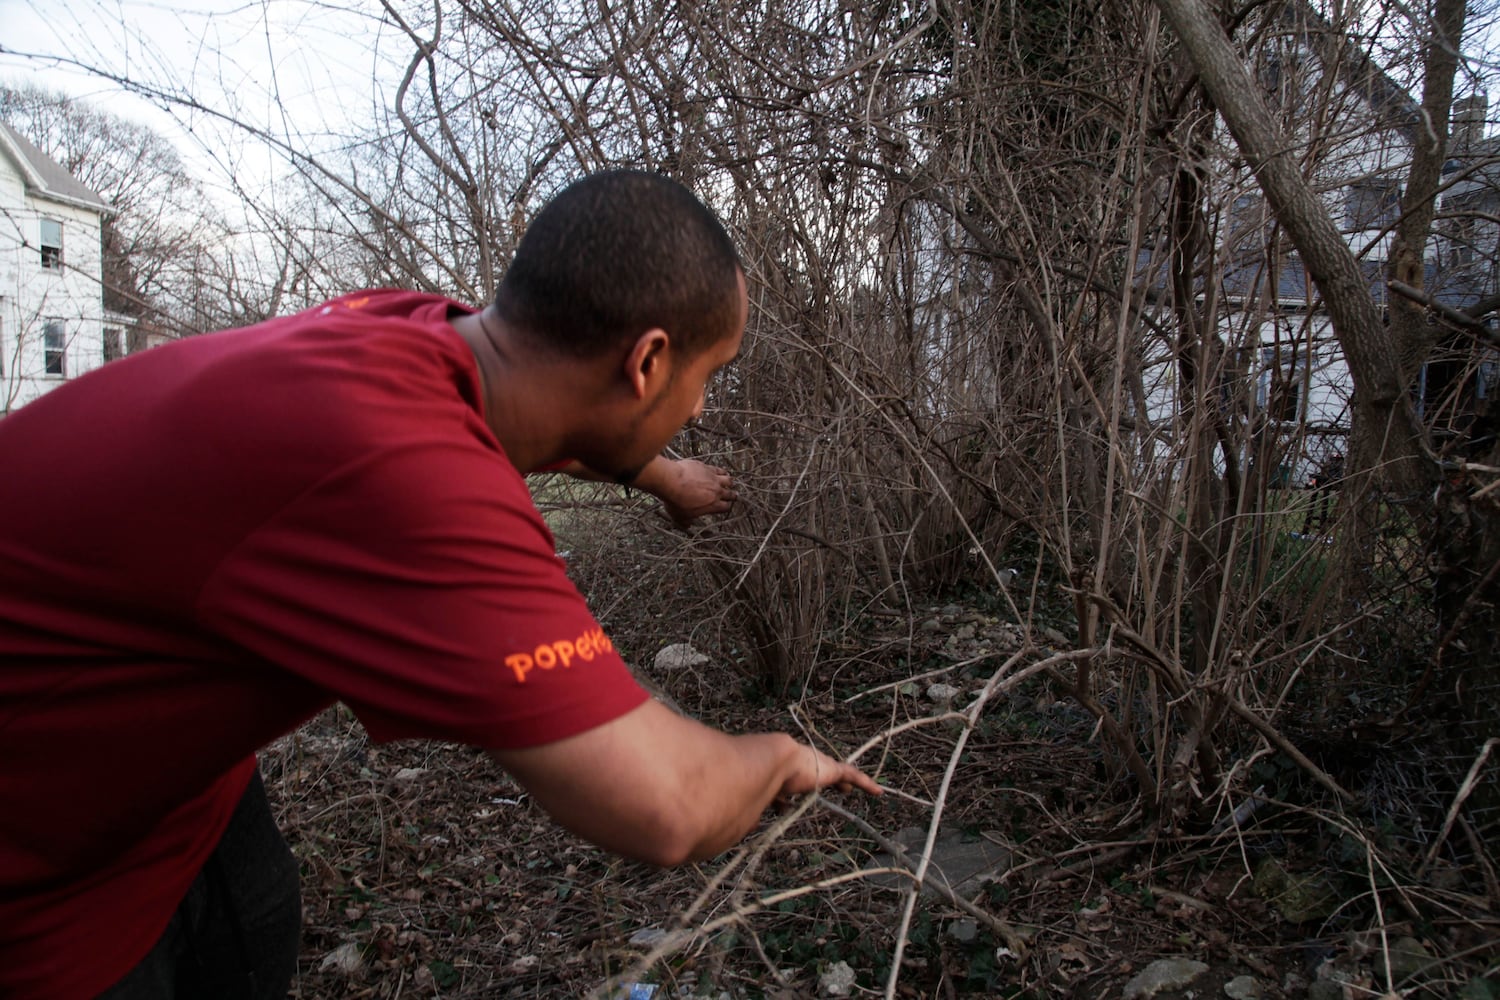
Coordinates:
<point>562,653</point>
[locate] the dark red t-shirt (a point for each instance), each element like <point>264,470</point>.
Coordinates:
<point>202,546</point>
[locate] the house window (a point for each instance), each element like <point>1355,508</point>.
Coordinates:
<point>1283,370</point>
<point>1465,234</point>
<point>55,347</point>
<point>1271,74</point>
<point>1371,204</point>
<point>114,344</point>
<point>1247,218</point>
<point>51,242</point>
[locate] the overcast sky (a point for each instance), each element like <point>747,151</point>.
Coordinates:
<point>306,71</point>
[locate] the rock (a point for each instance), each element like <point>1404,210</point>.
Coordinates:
<point>951,611</point>
<point>410,773</point>
<point>964,865</point>
<point>346,958</point>
<point>1408,958</point>
<point>1243,988</point>
<point>648,937</point>
<point>679,655</point>
<point>930,625</point>
<point>1163,974</point>
<point>1298,898</point>
<point>838,980</point>
<point>1325,989</point>
<point>943,694</point>
<point>964,632</point>
<point>1479,989</point>
<point>963,931</point>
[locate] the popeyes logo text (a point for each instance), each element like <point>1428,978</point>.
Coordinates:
<point>560,654</point>
<point>358,303</point>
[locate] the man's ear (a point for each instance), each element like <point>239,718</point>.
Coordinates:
<point>646,366</point>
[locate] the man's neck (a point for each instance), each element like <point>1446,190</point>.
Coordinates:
<point>520,394</point>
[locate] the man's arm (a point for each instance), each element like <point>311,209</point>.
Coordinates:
<point>687,488</point>
<point>654,786</point>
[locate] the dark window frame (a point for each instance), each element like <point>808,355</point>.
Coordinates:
<point>1284,389</point>
<point>51,250</point>
<point>55,348</point>
<point>1372,204</point>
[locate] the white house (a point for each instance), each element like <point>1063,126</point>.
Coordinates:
<point>52,321</point>
<point>1313,75</point>
<point>1276,334</point>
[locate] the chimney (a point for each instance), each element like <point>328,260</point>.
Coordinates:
<point>1469,120</point>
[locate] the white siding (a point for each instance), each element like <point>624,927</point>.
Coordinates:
<point>31,295</point>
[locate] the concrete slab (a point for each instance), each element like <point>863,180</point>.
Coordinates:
<point>963,864</point>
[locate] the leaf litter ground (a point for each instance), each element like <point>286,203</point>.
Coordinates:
<point>428,872</point>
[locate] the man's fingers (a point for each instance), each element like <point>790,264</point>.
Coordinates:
<point>856,778</point>
<point>836,773</point>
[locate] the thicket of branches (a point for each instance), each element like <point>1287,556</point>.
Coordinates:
<point>984,242</point>
<point>987,247</point>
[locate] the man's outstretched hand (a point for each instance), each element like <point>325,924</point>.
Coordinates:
<point>688,489</point>
<point>664,789</point>
<point>816,770</point>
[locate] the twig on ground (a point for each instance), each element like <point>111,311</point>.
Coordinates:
<point>1465,790</point>
<point>1491,880</point>
<point>1083,867</point>
<point>1182,898</point>
<point>1285,745</point>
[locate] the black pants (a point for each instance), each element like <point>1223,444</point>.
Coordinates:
<point>235,934</point>
<point>1315,521</point>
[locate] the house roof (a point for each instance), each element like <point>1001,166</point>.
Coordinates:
<point>1457,286</point>
<point>46,177</point>
<point>1355,67</point>
<point>1239,280</point>
<point>1474,171</point>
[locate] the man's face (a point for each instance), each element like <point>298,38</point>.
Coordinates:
<point>680,401</point>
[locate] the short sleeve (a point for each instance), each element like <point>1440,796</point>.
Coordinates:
<point>419,585</point>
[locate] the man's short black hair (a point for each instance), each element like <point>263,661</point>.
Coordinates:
<point>619,253</point>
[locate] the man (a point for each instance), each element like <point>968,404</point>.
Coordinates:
<point>1328,478</point>
<point>204,545</point>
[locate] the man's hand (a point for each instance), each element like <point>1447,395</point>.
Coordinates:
<point>816,770</point>
<point>687,488</point>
